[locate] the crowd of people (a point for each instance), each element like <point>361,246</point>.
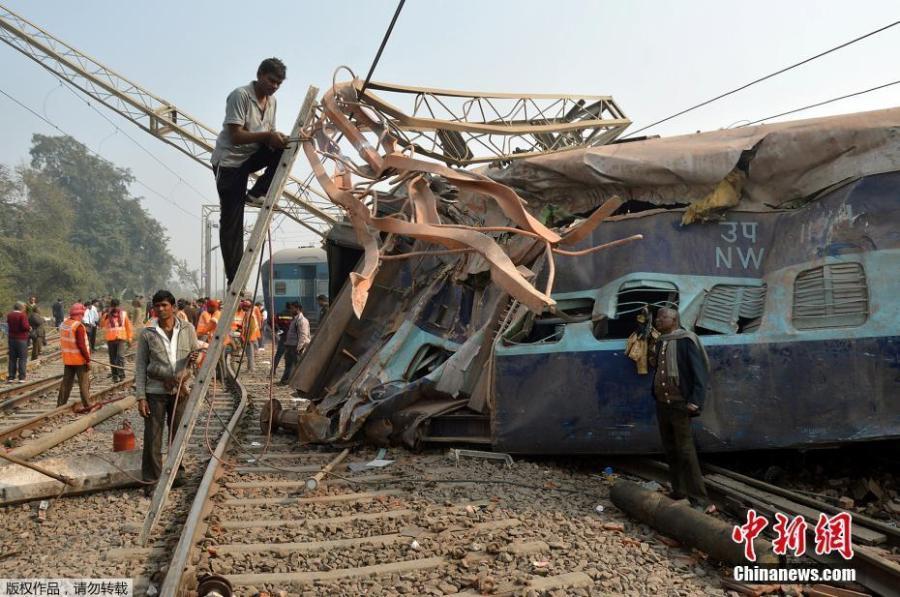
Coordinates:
<point>250,332</point>
<point>171,336</point>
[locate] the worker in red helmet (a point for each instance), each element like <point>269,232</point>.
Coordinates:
<point>76,356</point>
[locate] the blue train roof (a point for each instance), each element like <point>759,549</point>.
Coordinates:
<point>300,255</point>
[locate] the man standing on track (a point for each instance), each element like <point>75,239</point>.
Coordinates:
<point>38,332</point>
<point>91,320</point>
<point>118,329</point>
<point>166,349</point>
<point>18,331</point>
<point>248,143</point>
<point>76,355</point>
<point>295,342</point>
<point>58,313</point>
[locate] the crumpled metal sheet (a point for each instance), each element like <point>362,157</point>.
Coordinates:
<point>785,162</point>
<point>342,111</point>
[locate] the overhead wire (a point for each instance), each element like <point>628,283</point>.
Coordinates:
<point>156,158</point>
<point>60,129</point>
<point>766,77</point>
<point>822,103</point>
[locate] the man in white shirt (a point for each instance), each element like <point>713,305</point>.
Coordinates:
<point>91,321</point>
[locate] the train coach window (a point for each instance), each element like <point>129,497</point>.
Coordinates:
<point>280,288</point>
<point>830,296</point>
<point>548,328</point>
<point>730,309</point>
<point>633,296</point>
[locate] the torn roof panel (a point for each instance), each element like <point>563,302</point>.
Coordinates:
<point>792,160</point>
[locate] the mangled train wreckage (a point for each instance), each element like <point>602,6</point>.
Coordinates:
<point>502,306</point>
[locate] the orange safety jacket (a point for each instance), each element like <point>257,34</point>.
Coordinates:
<point>256,334</point>
<point>70,353</point>
<point>205,324</point>
<point>122,331</point>
<point>245,322</point>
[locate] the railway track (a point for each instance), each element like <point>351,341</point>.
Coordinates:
<point>223,406</point>
<point>421,525</point>
<point>48,357</point>
<point>33,404</point>
<point>270,516</point>
<point>40,416</point>
<point>266,518</point>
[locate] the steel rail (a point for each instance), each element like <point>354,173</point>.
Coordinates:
<point>20,394</point>
<point>36,421</point>
<point>195,524</point>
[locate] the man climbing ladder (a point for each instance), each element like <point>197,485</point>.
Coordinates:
<point>248,143</point>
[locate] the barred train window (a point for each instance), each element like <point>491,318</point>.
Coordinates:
<point>831,296</point>
<point>731,309</point>
<point>280,288</point>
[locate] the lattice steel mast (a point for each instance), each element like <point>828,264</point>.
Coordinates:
<point>161,118</point>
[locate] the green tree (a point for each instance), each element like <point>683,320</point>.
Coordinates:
<point>127,247</point>
<point>71,228</point>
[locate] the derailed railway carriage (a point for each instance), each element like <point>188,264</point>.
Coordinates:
<point>798,311</point>
<point>778,244</point>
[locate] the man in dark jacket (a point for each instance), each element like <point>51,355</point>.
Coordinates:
<point>38,332</point>
<point>679,386</point>
<point>19,331</point>
<point>58,312</point>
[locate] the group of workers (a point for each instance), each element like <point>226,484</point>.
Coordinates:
<point>170,338</point>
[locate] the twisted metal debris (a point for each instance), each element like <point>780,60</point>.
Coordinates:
<point>387,142</point>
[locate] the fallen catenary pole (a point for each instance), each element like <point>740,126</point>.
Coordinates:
<point>679,521</point>
<point>41,445</point>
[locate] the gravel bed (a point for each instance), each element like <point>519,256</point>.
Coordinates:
<point>79,530</point>
<point>619,556</point>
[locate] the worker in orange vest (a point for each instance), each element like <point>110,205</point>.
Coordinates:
<point>209,320</point>
<point>76,357</point>
<point>245,331</point>
<point>257,314</point>
<point>117,324</point>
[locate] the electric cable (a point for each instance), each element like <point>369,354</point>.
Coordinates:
<point>822,103</point>
<point>58,128</point>
<point>384,40</point>
<point>765,78</point>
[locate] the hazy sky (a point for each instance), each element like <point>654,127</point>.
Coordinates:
<point>653,57</point>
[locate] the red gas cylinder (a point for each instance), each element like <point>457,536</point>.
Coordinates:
<point>123,439</point>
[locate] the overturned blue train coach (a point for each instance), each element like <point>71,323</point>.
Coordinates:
<point>779,245</point>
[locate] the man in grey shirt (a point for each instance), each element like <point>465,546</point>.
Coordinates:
<point>248,143</point>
